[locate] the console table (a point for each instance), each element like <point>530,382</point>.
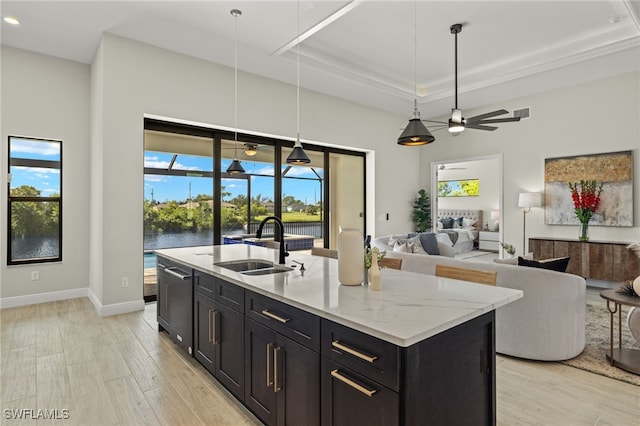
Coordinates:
<point>600,260</point>
<point>625,358</point>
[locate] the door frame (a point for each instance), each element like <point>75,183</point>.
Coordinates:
<point>434,187</point>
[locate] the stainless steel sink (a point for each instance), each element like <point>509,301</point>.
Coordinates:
<point>253,266</point>
<point>274,270</point>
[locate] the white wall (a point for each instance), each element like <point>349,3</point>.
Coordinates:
<point>46,97</point>
<point>600,116</point>
<point>139,79</point>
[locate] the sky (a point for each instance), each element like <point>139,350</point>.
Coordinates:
<point>169,188</point>
<point>44,179</point>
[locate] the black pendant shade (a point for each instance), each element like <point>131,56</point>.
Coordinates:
<point>298,156</point>
<point>235,167</point>
<point>416,133</point>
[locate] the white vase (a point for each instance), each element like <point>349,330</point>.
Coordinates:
<point>350,257</point>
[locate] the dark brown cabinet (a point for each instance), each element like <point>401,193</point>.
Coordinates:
<point>369,381</point>
<point>175,302</point>
<point>599,260</point>
<point>219,333</point>
<point>291,367</point>
<point>282,382</point>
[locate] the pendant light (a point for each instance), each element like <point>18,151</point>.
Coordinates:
<point>235,167</point>
<point>456,122</point>
<point>298,156</point>
<point>416,133</point>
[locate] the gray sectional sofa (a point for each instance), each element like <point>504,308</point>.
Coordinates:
<point>547,324</point>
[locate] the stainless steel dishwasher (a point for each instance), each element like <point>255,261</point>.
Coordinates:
<point>175,302</point>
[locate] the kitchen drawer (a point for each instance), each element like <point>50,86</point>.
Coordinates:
<point>221,291</point>
<point>349,399</point>
<point>296,324</point>
<point>367,355</point>
<point>230,294</point>
<point>205,284</point>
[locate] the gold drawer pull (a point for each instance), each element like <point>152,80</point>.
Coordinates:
<point>341,346</point>
<point>276,380</point>
<point>275,317</point>
<point>357,386</point>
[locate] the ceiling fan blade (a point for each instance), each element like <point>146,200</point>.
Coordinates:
<point>480,127</point>
<point>497,120</point>
<point>487,115</point>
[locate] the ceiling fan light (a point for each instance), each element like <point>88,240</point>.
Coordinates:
<point>250,150</point>
<point>455,127</point>
<point>235,167</point>
<point>415,134</point>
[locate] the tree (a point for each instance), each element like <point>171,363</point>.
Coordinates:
<point>422,211</point>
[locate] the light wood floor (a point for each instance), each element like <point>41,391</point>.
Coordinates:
<point>120,371</point>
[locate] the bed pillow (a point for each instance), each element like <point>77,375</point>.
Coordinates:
<point>559,264</point>
<point>429,243</point>
<point>447,222</point>
<point>466,223</point>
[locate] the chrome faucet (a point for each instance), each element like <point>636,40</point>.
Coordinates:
<point>280,226</point>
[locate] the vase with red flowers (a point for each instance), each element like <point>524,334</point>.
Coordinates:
<point>586,200</point>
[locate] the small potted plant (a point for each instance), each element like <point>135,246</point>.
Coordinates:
<point>508,248</point>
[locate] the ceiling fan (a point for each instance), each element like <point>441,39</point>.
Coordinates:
<point>444,167</point>
<point>457,123</point>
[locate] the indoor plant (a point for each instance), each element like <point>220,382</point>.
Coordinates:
<point>586,200</point>
<point>508,248</point>
<point>421,215</point>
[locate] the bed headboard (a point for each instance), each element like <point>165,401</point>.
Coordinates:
<point>469,214</point>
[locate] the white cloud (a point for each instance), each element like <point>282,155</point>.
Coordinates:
<point>155,178</point>
<point>154,163</point>
<point>35,147</point>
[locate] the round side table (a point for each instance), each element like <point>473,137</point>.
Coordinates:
<point>624,358</point>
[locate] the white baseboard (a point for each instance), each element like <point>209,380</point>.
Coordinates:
<point>31,299</point>
<point>102,310</point>
<point>115,308</point>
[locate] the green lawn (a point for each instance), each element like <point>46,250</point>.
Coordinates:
<point>295,217</point>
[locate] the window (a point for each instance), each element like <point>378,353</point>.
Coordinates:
<point>35,201</point>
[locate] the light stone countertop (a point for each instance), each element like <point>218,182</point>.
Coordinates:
<point>410,307</point>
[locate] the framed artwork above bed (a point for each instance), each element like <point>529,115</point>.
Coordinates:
<point>459,188</point>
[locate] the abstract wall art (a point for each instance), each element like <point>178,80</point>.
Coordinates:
<point>614,169</point>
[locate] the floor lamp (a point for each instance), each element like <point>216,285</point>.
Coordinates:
<point>526,200</point>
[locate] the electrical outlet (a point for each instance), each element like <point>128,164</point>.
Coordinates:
<point>35,275</point>
<point>125,281</point>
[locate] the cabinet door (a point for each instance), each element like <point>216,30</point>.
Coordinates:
<point>349,398</point>
<point>258,373</point>
<point>229,349</point>
<point>297,383</point>
<point>203,316</point>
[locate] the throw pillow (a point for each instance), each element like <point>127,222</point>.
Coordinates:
<point>403,247</point>
<point>416,245</point>
<point>429,243</point>
<point>393,240</point>
<point>559,264</point>
<point>447,222</point>
<point>458,222</point>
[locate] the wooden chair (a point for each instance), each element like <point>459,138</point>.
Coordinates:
<point>321,251</point>
<point>473,275</point>
<point>388,262</point>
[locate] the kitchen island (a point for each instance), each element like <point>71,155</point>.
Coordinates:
<point>297,347</point>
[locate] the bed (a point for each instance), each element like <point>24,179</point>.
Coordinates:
<point>459,228</point>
